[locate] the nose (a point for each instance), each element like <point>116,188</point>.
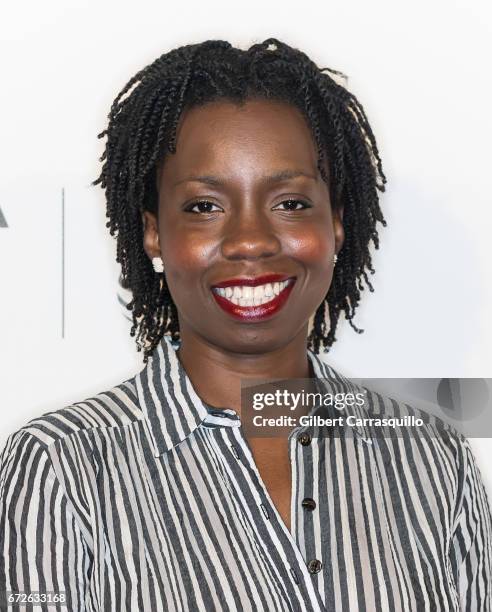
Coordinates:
<point>249,235</point>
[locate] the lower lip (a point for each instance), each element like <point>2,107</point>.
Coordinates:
<point>254,313</point>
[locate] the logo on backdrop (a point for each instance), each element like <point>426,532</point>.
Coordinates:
<point>124,296</point>
<point>3,220</point>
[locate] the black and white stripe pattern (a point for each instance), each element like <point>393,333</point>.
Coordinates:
<point>143,498</point>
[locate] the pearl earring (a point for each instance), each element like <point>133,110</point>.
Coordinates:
<point>335,259</point>
<point>158,264</point>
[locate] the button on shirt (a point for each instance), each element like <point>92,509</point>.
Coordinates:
<point>143,498</point>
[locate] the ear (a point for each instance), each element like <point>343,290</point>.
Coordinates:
<point>338,230</point>
<point>151,235</point>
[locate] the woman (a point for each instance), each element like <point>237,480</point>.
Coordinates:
<point>243,190</point>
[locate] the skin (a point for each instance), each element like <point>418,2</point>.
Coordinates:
<point>246,230</point>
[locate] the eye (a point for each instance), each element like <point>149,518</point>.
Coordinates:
<point>292,204</point>
<point>204,206</point>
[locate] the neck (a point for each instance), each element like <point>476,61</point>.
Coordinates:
<point>216,373</point>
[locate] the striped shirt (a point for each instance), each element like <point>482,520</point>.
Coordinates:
<point>144,498</point>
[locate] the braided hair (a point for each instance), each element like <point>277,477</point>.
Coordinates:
<point>141,131</point>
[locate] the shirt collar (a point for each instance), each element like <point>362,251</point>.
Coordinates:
<point>172,408</point>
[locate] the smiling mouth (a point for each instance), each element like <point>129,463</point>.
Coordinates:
<point>253,301</point>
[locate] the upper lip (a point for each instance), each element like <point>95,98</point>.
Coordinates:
<point>253,281</point>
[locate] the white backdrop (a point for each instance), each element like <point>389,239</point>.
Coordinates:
<point>421,71</point>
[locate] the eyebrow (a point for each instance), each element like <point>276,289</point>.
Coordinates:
<point>276,177</point>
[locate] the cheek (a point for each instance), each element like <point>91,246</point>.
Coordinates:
<point>186,253</point>
<point>312,247</point>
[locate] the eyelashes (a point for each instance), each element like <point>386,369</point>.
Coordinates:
<point>294,201</point>
<point>206,206</point>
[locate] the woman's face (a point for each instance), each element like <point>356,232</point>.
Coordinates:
<point>241,200</point>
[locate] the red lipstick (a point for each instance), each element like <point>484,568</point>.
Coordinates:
<point>260,311</point>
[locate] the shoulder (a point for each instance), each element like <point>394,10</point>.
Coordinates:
<point>409,422</point>
<point>53,454</point>
<point>115,408</point>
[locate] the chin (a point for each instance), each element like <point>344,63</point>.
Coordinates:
<point>255,341</point>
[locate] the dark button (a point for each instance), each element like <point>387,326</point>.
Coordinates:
<point>314,566</point>
<point>308,503</point>
<point>304,439</point>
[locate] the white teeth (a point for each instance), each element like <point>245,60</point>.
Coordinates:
<point>247,292</point>
<point>245,301</point>
<point>258,292</point>
<point>252,296</point>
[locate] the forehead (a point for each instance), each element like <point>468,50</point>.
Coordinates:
<point>223,135</point>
